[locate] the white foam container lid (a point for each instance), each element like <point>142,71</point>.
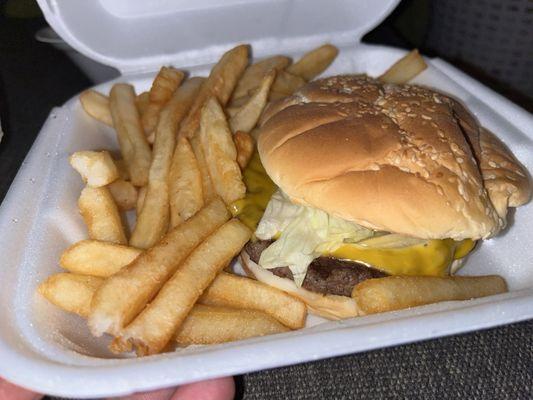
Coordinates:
<point>47,350</point>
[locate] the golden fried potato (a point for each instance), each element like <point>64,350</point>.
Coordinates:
<point>211,325</point>
<point>185,184</point>
<point>405,69</point>
<point>133,145</point>
<point>397,292</point>
<point>220,153</point>
<point>70,292</point>
<point>220,84</point>
<point>314,62</point>
<point>126,293</point>
<point>155,326</point>
<point>97,258</point>
<point>100,213</point>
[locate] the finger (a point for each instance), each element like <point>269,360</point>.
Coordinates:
<point>8,391</point>
<point>213,389</point>
<point>161,394</point>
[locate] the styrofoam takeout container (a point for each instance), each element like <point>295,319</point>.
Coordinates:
<point>47,350</point>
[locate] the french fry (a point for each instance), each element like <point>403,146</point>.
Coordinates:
<point>204,324</point>
<point>398,292</point>
<point>155,326</point>
<point>207,183</point>
<point>133,145</point>
<point>141,101</point>
<point>101,216</point>
<point>124,194</point>
<point>141,195</point>
<point>220,153</point>
<point>248,115</point>
<point>229,290</point>
<point>285,84</point>
<point>155,208</point>
<point>405,69</point>
<point>220,84</point>
<point>97,106</point>
<point>70,292</point>
<point>211,325</point>
<point>96,168</point>
<point>314,62</point>
<point>245,148</point>
<point>165,83</point>
<point>96,258</point>
<point>122,169</point>
<point>185,184</point>
<point>154,217</point>
<point>126,293</point>
<point>254,74</point>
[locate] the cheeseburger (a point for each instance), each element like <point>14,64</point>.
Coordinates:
<point>367,180</point>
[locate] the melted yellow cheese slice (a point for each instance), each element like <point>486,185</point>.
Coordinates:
<point>432,257</point>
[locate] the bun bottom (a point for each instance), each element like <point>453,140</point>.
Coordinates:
<point>329,306</point>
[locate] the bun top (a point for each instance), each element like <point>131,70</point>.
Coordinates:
<point>396,158</point>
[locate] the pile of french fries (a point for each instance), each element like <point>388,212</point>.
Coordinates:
<point>183,147</point>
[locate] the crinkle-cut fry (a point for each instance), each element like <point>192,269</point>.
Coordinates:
<point>155,326</point>
<point>285,84</point>
<point>97,258</point>
<point>314,62</point>
<point>253,76</point>
<point>398,292</point>
<point>212,325</point>
<point>229,290</point>
<point>96,168</point>
<point>126,293</point>
<point>154,217</point>
<point>97,106</point>
<point>101,216</point>
<point>248,115</point>
<point>70,292</point>
<point>220,84</point>
<point>405,69</point>
<point>244,142</point>
<point>165,83</point>
<point>185,184</point>
<point>141,101</point>
<point>220,153</point>
<point>131,138</point>
<point>207,183</point>
<point>124,194</point>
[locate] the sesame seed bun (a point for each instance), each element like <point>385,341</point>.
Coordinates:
<point>395,158</point>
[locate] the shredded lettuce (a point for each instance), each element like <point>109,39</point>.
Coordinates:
<point>305,233</point>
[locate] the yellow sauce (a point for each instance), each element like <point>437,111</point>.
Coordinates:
<point>429,258</point>
<point>259,190</point>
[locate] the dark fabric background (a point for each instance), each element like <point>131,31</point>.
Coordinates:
<point>493,364</point>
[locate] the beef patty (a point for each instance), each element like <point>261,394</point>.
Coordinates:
<point>326,275</point>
